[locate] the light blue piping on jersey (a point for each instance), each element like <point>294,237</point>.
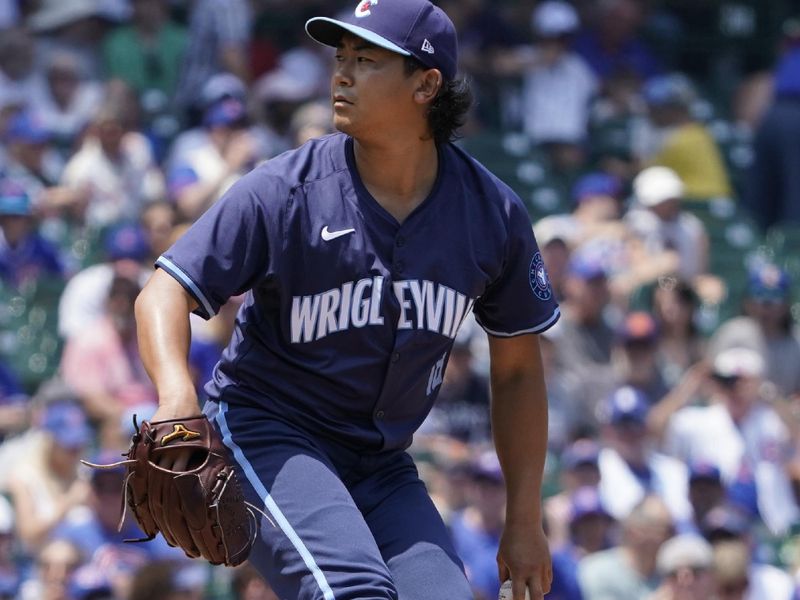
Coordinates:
<point>537,329</point>
<point>270,504</point>
<point>176,272</point>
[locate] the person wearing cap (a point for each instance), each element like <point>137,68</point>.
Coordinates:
<point>25,256</point>
<point>67,99</point>
<point>577,468</point>
<point>584,338</point>
<point>628,571</point>
<point>630,468</point>
<point>684,563</point>
<point>557,84</point>
<point>476,528</point>
<point>590,530</point>
<point>741,434</point>
<point>681,142</point>
<point>101,362</point>
<point>117,165</point>
<point>207,169</point>
<point>658,220</point>
<point>768,300</point>
<point>47,487</point>
<point>636,355</point>
<point>219,34</point>
<point>342,248</point>
<point>738,571</point>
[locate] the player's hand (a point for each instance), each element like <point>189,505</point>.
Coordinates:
<point>176,461</point>
<point>524,558</point>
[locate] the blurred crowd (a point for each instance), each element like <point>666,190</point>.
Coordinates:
<point>656,144</point>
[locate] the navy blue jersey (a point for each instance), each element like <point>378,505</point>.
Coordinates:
<point>350,316</point>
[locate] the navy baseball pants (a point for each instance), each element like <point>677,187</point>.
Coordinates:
<point>347,525</point>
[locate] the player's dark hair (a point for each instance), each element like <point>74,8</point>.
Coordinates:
<point>448,111</point>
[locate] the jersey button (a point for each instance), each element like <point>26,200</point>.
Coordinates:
<point>379,414</point>
<point>400,241</point>
<point>395,357</point>
<point>399,266</point>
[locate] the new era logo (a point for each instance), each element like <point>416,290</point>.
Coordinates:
<point>427,47</point>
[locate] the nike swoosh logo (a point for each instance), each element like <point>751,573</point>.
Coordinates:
<point>332,235</point>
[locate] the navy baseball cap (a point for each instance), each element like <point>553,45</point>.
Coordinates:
<point>27,127</point>
<point>627,405</point>
<point>638,326</point>
<point>126,241</point>
<point>14,200</point>
<point>408,27</point>
<point>580,452</point>
<point>228,112</point>
<point>768,282</point>
<point>67,423</point>
<point>700,470</point>
<point>596,184</point>
<point>584,502</point>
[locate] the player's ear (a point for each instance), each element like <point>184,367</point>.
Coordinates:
<point>428,85</point>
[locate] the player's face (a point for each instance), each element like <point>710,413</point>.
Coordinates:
<point>370,90</point>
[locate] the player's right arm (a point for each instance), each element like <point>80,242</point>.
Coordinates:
<point>162,322</point>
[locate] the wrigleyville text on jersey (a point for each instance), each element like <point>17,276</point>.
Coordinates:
<point>424,305</point>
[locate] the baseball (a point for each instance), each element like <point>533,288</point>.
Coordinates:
<point>505,592</point>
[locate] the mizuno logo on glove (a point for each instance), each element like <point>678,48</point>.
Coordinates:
<point>178,431</point>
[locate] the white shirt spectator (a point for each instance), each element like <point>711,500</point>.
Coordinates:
<point>760,442</point>
<point>555,99</point>
<point>118,189</point>
<point>685,235</point>
<point>620,490</point>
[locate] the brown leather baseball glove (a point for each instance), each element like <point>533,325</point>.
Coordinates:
<point>200,509</point>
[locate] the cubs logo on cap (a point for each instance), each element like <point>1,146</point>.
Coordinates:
<point>408,27</point>
<point>363,8</point>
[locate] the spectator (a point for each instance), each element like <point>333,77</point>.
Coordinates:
<point>772,194</point>
<point>577,469</point>
<point>25,256</point>
<point>630,469</point>
<point>681,344</point>
<point>125,250</point>
<point>18,78</point>
<point>557,83</point>
<point>684,563</point>
<point>705,491</point>
<point>97,530</point>
<point>103,365</point>
<point>168,580</point>
<point>590,528</point>
<point>730,535</point>
<point>584,338</point>
<point>661,224</point>
<point>47,487</point>
<point>199,177</point>
<point>741,435</point>
<point>636,355</point>
<point>628,571</point>
<point>680,142</point>
<point>146,54</point>
<point>611,43</point>
<point>67,100</point>
<point>767,301</point>
<point>555,235</point>
<point>219,35</point>
<point>476,530</point>
<point>56,562</point>
<point>116,165</point>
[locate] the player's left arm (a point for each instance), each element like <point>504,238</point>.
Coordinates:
<point>519,425</point>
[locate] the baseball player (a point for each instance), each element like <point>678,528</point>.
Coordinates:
<point>360,254</point>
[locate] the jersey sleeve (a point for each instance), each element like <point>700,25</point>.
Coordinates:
<point>226,252</point>
<point>521,299</point>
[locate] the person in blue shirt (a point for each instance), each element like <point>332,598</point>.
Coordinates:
<point>360,254</point>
